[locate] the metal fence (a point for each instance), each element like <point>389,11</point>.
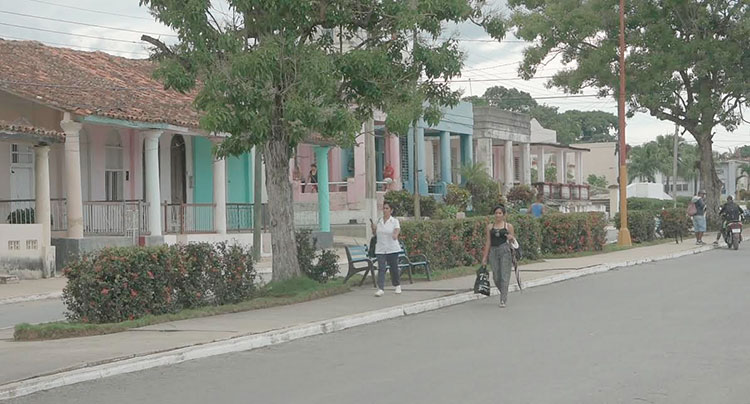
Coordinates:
<point>189,218</point>
<point>105,218</point>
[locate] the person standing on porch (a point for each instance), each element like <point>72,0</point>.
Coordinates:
<point>312,178</point>
<point>388,174</point>
<point>497,251</point>
<point>387,248</point>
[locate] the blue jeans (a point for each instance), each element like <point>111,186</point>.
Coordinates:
<point>699,223</point>
<point>392,261</point>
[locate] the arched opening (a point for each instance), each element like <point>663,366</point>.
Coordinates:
<point>178,160</point>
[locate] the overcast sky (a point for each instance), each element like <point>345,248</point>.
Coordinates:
<point>487,64</point>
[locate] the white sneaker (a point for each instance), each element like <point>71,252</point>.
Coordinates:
<point>398,289</point>
<point>379,293</point>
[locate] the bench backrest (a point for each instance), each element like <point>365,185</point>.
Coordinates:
<point>356,252</point>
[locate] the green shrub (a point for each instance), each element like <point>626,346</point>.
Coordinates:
<point>317,266</point>
<point>641,224</point>
<point>656,204</point>
<point>572,232</point>
<point>445,211</point>
<point>402,203</point>
<point>124,283</point>
<point>521,195</point>
<point>674,222</point>
<point>459,242</point>
<point>458,197</point>
<point>485,192</point>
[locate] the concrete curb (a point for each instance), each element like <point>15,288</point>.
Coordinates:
<point>31,298</point>
<point>274,337</point>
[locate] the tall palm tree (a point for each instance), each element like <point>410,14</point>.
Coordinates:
<point>644,162</point>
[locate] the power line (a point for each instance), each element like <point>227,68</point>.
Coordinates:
<point>68,33</point>
<point>91,11</point>
<point>474,80</point>
<point>84,24</point>
<point>75,46</point>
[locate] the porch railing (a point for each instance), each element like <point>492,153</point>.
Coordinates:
<point>22,211</point>
<point>189,218</point>
<point>571,192</point>
<point>105,218</point>
<point>240,217</point>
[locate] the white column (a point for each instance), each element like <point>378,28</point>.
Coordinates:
<point>484,154</point>
<point>508,167</point>
<point>526,163</point>
<point>561,169</point>
<point>220,196</point>
<point>153,192</point>
<point>73,176</point>
<point>42,212</point>
<point>541,167</point>
<point>579,168</point>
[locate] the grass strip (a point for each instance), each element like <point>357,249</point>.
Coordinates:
<point>274,294</point>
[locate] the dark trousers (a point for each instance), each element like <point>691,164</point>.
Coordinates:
<point>392,261</point>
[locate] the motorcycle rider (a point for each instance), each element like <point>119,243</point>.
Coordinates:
<point>731,212</point>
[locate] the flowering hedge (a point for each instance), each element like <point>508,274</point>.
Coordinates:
<point>451,243</point>
<point>122,283</point>
<point>572,232</point>
<point>641,224</point>
<point>674,222</point>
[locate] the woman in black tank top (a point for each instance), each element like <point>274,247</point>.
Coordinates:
<point>497,251</point>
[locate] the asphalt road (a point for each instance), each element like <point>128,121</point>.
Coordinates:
<point>669,332</point>
<point>39,311</point>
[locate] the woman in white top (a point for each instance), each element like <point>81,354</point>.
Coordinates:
<point>387,248</point>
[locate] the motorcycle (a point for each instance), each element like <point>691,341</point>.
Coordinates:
<point>733,234</point>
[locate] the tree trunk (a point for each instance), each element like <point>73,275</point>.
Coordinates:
<point>709,179</point>
<point>281,210</point>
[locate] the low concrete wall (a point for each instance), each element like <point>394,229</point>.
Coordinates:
<point>23,253</point>
<point>244,239</point>
<point>70,248</point>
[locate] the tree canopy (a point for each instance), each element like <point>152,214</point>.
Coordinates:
<point>686,61</point>
<point>571,126</point>
<point>273,74</point>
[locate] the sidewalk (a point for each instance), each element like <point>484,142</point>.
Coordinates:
<point>35,289</point>
<point>33,359</point>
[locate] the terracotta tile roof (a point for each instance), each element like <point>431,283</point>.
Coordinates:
<point>22,130</point>
<point>91,83</point>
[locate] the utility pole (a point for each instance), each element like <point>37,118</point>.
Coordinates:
<point>623,238</point>
<point>371,202</point>
<point>674,165</point>
<point>257,202</point>
<point>417,208</point>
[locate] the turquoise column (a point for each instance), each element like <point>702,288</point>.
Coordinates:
<point>445,156</point>
<point>324,199</point>
<point>421,157</point>
<point>467,152</point>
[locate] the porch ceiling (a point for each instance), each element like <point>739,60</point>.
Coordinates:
<point>561,146</point>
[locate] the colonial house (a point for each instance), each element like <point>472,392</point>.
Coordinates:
<point>97,153</point>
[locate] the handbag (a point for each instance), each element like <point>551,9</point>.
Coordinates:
<point>371,248</point>
<point>482,282</point>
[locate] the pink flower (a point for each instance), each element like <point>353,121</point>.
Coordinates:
<point>105,291</point>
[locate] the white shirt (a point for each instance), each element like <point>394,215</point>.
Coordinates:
<point>386,244</point>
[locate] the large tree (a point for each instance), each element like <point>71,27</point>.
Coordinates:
<point>686,60</point>
<point>274,73</point>
<point>571,126</point>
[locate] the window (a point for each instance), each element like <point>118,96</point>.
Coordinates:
<point>114,173</point>
<point>31,244</point>
<point>404,145</point>
<point>517,169</point>
<point>14,245</point>
<point>20,154</point>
